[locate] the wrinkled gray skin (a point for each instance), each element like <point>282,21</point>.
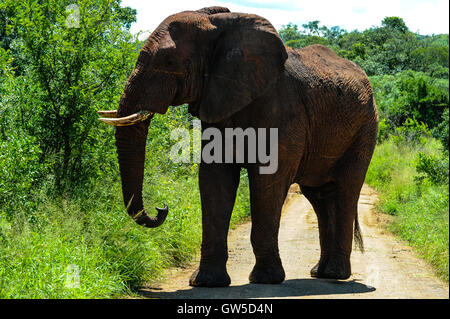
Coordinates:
<point>234,71</point>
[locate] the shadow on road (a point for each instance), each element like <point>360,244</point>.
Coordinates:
<point>290,288</point>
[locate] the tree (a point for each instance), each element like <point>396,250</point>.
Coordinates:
<point>312,27</point>
<point>410,95</point>
<point>72,68</point>
<point>395,23</point>
<point>289,32</point>
<point>333,34</point>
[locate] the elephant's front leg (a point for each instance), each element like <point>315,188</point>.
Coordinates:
<point>218,186</point>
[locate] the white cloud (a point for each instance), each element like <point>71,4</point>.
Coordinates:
<point>426,17</point>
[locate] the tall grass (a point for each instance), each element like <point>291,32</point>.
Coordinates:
<point>420,208</point>
<point>84,245</point>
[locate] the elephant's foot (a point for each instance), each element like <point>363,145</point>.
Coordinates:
<point>273,274</point>
<point>204,277</point>
<point>313,270</point>
<point>332,267</point>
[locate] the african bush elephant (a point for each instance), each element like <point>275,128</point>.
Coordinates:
<point>234,72</point>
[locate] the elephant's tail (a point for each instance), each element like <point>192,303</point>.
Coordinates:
<point>358,237</point>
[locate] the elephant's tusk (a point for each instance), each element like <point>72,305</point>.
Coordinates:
<point>128,120</point>
<point>108,114</point>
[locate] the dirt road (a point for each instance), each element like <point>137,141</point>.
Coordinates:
<point>388,268</point>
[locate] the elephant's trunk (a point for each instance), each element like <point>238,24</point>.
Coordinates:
<point>130,143</point>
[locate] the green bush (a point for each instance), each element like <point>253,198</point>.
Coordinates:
<point>433,168</point>
<point>384,131</point>
<point>441,131</point>
<point>423,222</point>
<point>20,171</point>
<point>412,132</point>
<point>418,199</point>
<point>409,95</point>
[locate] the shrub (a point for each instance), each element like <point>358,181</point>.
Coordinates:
<point>441,131</point>
<point>384,131</point>
<point>412,132</point>
<point>433,168</point>
<point>20,171</point>
<point>408,95</point>
<point>419,204</point>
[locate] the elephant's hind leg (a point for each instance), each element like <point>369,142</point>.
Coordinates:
<point>336,206</point>
<point>335,217</point>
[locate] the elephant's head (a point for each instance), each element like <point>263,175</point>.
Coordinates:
<point>216,61</point>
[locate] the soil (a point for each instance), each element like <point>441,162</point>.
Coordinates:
<point>387,269</point>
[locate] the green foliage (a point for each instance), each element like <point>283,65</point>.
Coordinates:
<point>383,131</point>
<point>394,23</point>
<point>423,222</point>
<point>411,132</point>
<point>412,182</point>
<point>311,33</point>
<point>42,236</point>
<point>303,42</point>
<point>289,32</point>
<point>388,49</point>
<point>432,59</point>
<point>20,171</point>
<point>312,28</point>
<point>93,231</point>
<point>410,94</point>
<point>434,168</point>
<point>67,73</point>
<point>441,131</point>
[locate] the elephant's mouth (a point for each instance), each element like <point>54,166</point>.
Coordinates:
<point>110,117</point>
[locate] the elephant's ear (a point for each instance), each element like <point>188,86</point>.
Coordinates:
<point>247,58</point>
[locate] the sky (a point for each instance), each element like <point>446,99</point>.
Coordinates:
<point>421,16</point>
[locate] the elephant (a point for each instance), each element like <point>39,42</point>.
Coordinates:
<point>233,71</point>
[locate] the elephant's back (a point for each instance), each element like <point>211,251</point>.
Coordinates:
<point>320,67</point>
<point>329,80</point>
<point>337,97</point>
